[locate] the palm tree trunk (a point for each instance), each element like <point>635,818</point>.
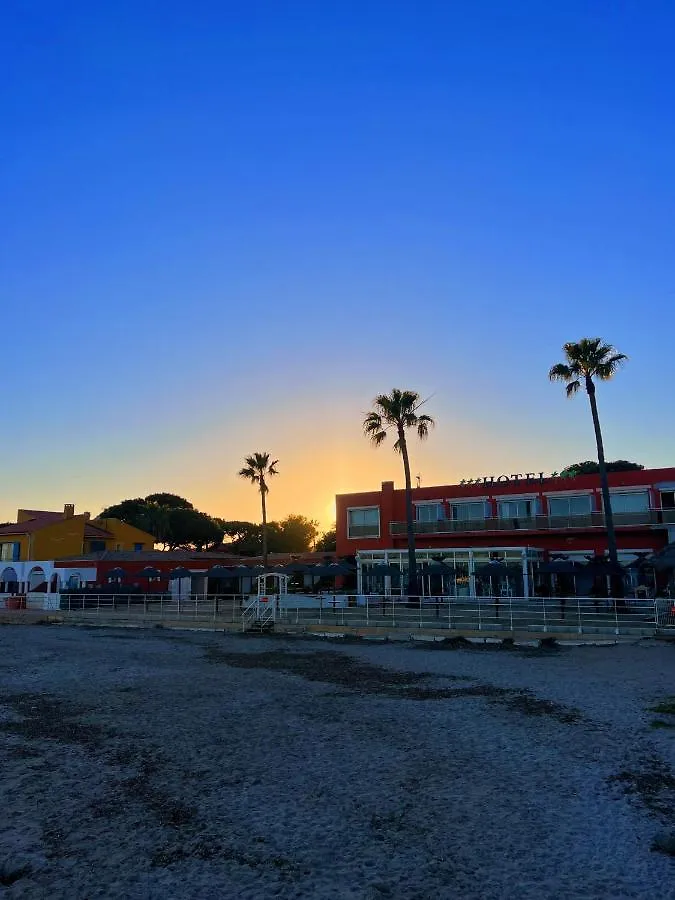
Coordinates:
<point>264,524</point>
<point>617,586</point>
<point>409,519</point>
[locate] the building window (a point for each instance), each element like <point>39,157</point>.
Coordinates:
<point>667,499</point>
<point>10,552</point>
<point>430,512</point>
<point>96,546</point>
<point>138,548</point>
<point>515,509</point>
<point>363,522</point>
<point>468,512</point>
<point>577,505</point>
<point>636,501</point>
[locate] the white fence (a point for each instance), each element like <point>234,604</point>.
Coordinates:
<point>483,615</point>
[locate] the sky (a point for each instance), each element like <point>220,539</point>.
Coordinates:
<point>226,227</point>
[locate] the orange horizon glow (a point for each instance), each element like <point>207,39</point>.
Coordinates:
<point>317,459</point>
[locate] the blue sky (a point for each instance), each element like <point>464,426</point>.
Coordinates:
<point>226,227</point>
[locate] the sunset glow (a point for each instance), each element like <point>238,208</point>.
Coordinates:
<point>225,232</point>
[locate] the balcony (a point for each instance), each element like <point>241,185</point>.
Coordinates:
<point>364,531</point>
<point>649,517</point>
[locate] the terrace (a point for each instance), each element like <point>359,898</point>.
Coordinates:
<point>649,517</point>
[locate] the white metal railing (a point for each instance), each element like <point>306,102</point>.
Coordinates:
<point>481,615</point>
<point>486,615</point>
<point>537,522</point>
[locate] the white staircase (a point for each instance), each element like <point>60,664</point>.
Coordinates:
<point>259,614</point>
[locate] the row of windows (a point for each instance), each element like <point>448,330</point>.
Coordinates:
<point>365,522</point>
<point>574,505</point>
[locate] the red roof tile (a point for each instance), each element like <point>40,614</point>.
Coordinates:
<point>93,531</point>
<point>43,519</point>
<point>29,526</point>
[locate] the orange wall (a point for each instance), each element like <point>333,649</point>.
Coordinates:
<point>61,538</point>
<point>16,539</point>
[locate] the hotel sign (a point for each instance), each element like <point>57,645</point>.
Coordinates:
<point>518,477</point>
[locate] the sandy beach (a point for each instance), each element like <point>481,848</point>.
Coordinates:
<point>175,764</point>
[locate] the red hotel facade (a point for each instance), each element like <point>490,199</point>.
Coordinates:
<point>521,519</point>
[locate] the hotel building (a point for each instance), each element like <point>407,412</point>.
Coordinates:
<point>521,519</point>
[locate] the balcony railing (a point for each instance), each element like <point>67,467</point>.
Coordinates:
<point>651,517</point>
<point>364,531</point>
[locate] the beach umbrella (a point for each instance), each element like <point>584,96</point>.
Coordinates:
<point>641,561</point>
<point>220,572</point>
<point>116,574</point>
<point>560,567</point>
<point>180,572</point>
<point>149,572</point>
<point>382,569</point>
<point>436,568</point>
<point>293,569</point>
<point>599,566</point>
<point>494,569</point>
<point>497,570</point>
<point>340,568</point>
<point>320,571</point>
<point>254,571</point>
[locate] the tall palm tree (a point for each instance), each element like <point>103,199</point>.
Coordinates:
<point>397,412</point>
<point>585,362</point>
<point>257,470</point>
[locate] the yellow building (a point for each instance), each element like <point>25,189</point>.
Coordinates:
<point>43,535</point>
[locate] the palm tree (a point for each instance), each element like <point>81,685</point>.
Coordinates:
<point>587,361</point>
<point>257,470</point>
<point>398,412</point>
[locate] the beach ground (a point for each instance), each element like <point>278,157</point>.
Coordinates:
<point>174,764</point>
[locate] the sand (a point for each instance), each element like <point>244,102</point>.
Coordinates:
<point>160,764</point>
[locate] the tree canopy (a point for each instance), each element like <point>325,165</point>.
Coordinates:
<point>294,534</point>
<point>585,361</point>
<point>172,520</point>
<point>171,500</point>
<point>176,524</point>
<point>327,542</point>
<point>591,467</point>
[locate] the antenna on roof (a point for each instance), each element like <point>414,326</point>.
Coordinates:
<point>418,478</point>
